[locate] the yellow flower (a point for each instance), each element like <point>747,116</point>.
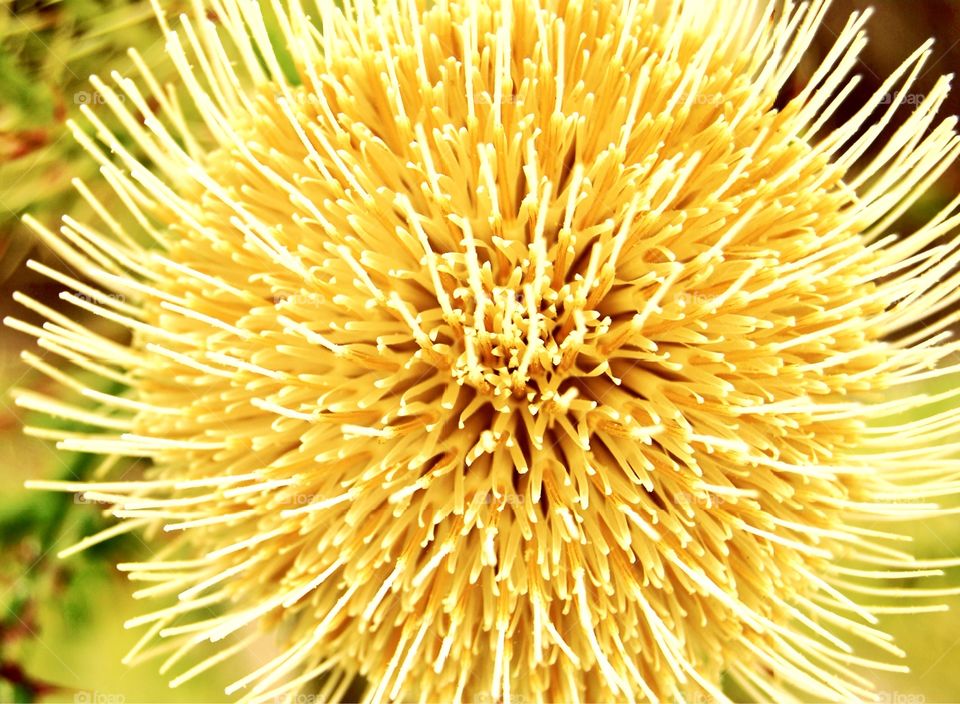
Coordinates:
<point>516,351</point>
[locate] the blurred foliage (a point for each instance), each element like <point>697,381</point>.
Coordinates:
<point>48,50</point>
<point>33,529</point>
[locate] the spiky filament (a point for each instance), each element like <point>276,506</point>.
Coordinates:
<point>517,349</point>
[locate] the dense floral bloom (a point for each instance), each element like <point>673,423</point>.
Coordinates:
<point>495,350</point>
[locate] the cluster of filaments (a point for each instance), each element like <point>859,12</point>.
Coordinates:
<point>515,342</point>
<point>520,349</point>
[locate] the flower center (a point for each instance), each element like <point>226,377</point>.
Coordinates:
<point>508,347</point>
<point>519,341</point>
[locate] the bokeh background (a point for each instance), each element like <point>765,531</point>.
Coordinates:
<point>61,638</point>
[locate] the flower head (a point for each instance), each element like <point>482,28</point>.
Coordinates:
<point>516,349</point>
